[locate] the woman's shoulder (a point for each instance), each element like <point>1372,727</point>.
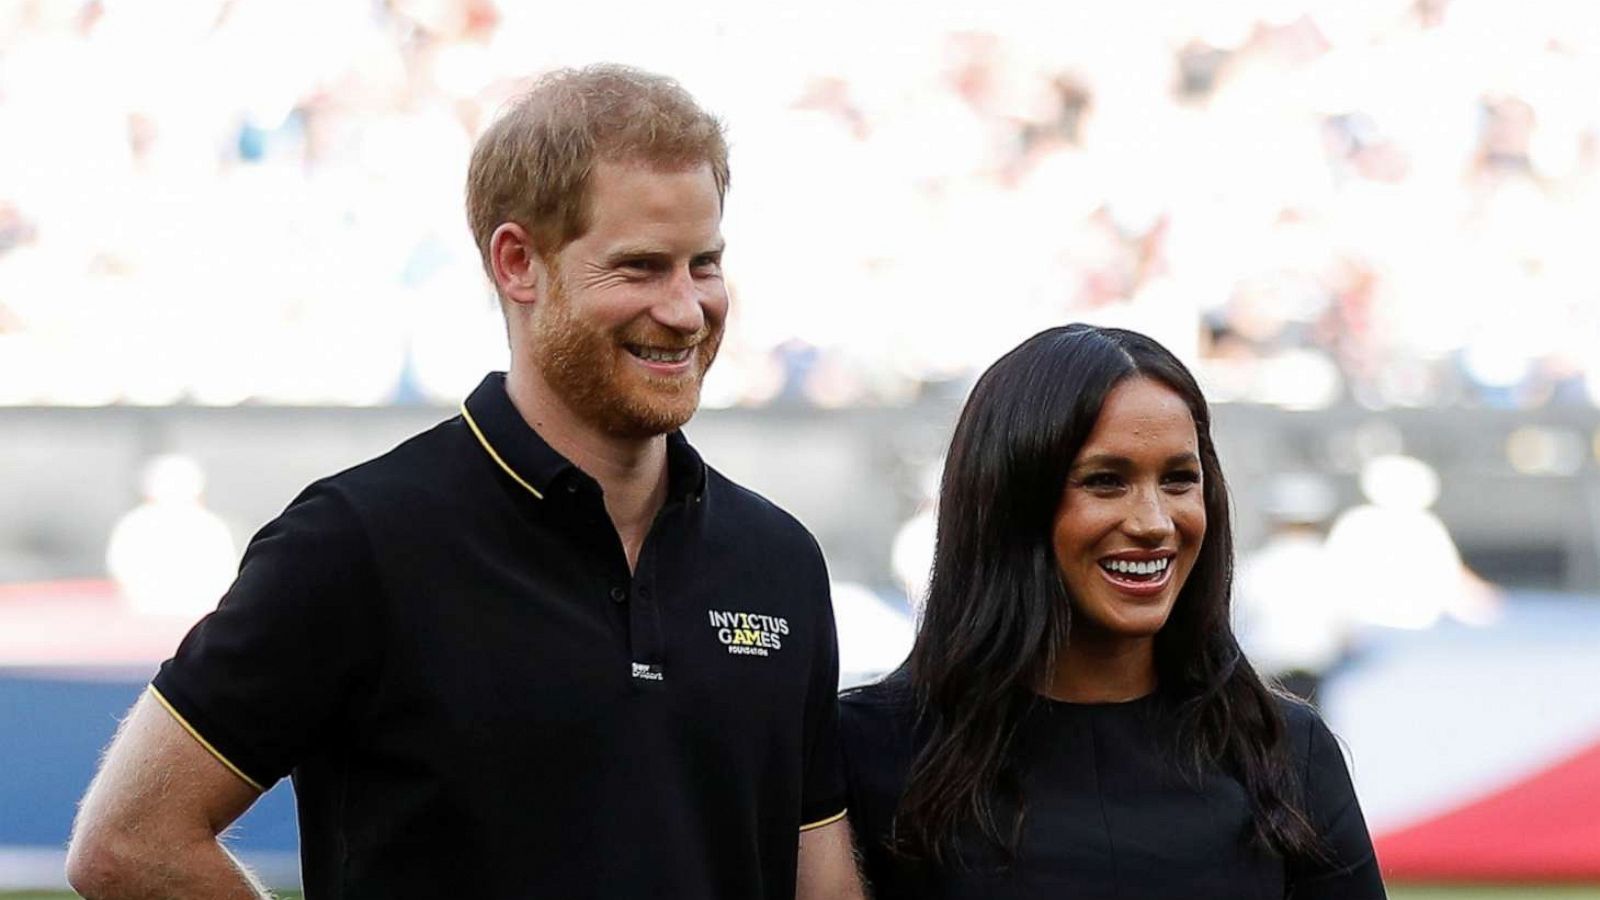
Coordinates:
<point>877,714</point>
<point>1297,712</point>
<point>880,701</point>
<point>1304,727</point>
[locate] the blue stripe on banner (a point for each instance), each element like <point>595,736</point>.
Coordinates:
<point>52,730</point>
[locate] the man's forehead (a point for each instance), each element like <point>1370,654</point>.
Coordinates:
<point>654,207</point>
<point>642,169</point>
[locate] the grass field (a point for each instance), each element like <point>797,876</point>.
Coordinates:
<point>1407,892</point>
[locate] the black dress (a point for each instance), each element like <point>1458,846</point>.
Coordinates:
<point>1108,814</point>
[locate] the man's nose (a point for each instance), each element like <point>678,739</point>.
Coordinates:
<point>682,306</point>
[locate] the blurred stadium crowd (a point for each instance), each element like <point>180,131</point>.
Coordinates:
<point>1382,202</point>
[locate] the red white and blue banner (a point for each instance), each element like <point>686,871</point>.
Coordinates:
<point>1476,750</point>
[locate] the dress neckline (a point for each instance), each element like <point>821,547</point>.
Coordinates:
<point>1138,702</point>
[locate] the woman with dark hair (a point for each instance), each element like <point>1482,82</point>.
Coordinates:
<point>1075,719</point>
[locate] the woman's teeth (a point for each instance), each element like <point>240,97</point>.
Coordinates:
<point>1128,567</point>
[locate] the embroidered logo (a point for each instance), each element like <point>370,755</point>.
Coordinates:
<point>749,634</point>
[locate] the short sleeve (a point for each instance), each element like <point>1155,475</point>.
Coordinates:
<point>260,680</point>
<point>1352,873</point>
<point>875,729</point>
<point>823,792</point>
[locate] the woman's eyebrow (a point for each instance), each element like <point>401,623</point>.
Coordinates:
<point>1103,460</point>
<point>1113,461</point>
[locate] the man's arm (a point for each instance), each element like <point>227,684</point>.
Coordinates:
<point>827,867</point>
<point>149,824</point>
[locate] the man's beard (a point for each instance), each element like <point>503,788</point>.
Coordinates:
<point>585,367</point>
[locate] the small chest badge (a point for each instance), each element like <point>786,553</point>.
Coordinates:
<point>749,634</point>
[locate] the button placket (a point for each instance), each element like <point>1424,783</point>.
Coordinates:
<point>644,617</point>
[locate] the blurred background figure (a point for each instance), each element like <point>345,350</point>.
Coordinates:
<point>911,554</point>
<point>170,556</point>
<point>1290,613</point>
<point>874,635</point>
<point>1396,559</point>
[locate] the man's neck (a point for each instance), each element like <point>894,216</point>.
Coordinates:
<point>632,472</point>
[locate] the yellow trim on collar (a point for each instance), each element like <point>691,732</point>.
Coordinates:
<point>203,742</point>
<point>828,821</point>
<point>495,456</point>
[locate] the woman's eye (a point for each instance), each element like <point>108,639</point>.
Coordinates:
<point>1183,479</point>
<point>1101,481</point>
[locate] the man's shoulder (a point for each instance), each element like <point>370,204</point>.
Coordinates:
<point>429,465</point>
<point>751,513</point>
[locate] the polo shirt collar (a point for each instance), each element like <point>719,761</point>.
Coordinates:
<point>534,464</point>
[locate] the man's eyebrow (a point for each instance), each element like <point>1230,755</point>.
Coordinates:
<point>1113,461</point>
<point>656,251</point>
<point>635,251</point>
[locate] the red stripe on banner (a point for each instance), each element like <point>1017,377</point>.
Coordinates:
<point>74,589</point>
<point>1543,828</point>
<point>83,623</point>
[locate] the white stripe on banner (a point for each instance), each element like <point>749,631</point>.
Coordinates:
<point>45,868</point>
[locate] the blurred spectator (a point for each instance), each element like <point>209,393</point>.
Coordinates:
<point>170,555</point>
<point>1292,617</point>
<point>1396,559</point>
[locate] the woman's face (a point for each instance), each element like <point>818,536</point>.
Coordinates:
<point>1132,517</point>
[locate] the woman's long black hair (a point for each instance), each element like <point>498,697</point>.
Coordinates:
<point>997,610</point>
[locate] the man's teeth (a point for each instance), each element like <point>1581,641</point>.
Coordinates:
<point>654,354</point>
<point>1153,567</point>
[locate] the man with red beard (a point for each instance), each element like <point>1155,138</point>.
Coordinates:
<point>540,650</point>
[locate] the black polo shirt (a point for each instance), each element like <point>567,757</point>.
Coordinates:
<point>445,648</point>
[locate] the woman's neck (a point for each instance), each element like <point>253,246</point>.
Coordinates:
<point>1093,670</point>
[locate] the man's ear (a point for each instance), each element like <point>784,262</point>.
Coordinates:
<point>520,272</point>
